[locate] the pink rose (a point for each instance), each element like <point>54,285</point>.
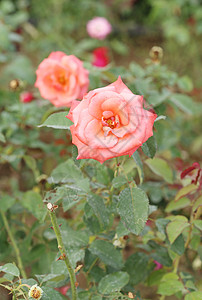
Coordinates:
<point>98,28</point>
<point>110,122</point>
<point>100,57</point>
<point>26,97</point>
<point>61,79</point>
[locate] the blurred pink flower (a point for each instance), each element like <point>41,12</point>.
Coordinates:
<point>26,97</point>
<point>98,28</point>
<point>63,289</point>
<point>62,78</point>
<point>158,265</point>
<point>100,57</point>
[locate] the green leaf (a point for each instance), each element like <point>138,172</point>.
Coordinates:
<point>6,202</point>
<point>2,138</point>
<point>198,224</point>
<point>197,295</point>
<point>99,208</point>
<point>137,70</point>
<point>113,282</point>
<point>161,255</point>
<point>197,203</point>
<point>155,98</point>
<point>136,267</point>
<point>170,285</point>
<point>139,165</point>
<point>176,227</point>
<point>185,103</point>
<point>185,191</point>
<point>155,277</point>
<point>185,84</point>
<point>10,269</point>
<point>178,245</point>
<point>58,121</point>
<point>34,203</point>
<point>160,167</point>
<point>149,147</point>
<point>175,205</point>
<point>51,294</point>
<point>67,172</point>
<point>133,208</point>
<point>119,181</point>
<point>31,163</point>
<point>107,253</point>
<point>70,198</point>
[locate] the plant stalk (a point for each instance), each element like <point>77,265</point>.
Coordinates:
<point>62,249</point>
<point>14,244</point>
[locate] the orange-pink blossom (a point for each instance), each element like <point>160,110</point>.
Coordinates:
<point>110,122</point>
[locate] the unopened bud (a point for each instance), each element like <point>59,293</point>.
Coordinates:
<point>26,97</point>
<point>16,85</point>
<point>156,54</point>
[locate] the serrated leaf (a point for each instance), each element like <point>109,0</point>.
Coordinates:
<point>149,147</point>
<point>10,269</point>
<point>133,208</point>
<point>176,227</point>
<point>113,282</point>
<point>107,253</point>
<point>175,205</point>
<point>58,121</point>
<point>160,167</point>
<point>139,165</point>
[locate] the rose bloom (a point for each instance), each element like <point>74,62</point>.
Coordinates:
<point>61,79</point>
<point>98,28</point>
<point>110,122</point>
<point>100,57</point>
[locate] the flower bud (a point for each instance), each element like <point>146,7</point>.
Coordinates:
<point>26,97</point>
<point>156,54</point>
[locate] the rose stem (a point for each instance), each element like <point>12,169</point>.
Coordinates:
<point>62,249</point>
<point>13,242</point>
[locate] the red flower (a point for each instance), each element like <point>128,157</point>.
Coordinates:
<point>26,97</point>
<point>100,57</point>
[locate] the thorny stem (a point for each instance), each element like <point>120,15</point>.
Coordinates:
<point>62,249</point>
<point>13,242</point>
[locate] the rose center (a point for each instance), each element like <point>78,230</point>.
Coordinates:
<point>62,79</point>
<point>111,122</point>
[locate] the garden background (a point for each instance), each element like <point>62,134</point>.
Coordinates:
<point>155,46</point>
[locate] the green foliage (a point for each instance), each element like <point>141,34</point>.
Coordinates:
<point>119,219</point>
